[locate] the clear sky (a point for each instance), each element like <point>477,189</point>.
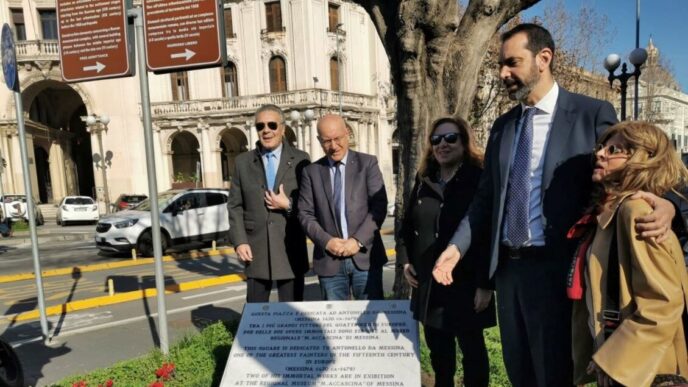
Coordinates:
<point>666,21</point>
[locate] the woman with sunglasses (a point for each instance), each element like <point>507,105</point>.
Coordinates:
<point>444,187</point>
<point>629,322</point>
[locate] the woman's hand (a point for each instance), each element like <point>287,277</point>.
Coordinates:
<point>603,380</point>
<point>657,224</point>
<point>482,299</point>
<point>410,275</point>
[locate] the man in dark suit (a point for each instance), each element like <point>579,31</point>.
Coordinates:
<point>535,186</point>
<point>342,205</point>
<point>263,225</point>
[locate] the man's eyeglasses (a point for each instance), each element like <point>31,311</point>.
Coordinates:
<point>330,141</point>
<point>449,138</point>
<point>612,150</point>
<point>261,125</point>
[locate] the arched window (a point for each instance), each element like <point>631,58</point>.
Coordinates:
<point>334,74</point>
<point>278,75</point>
<point>230,82</point>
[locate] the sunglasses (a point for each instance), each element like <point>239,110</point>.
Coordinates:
<point>261,125</point>
<point>611,150</point>
<point>449,138</point>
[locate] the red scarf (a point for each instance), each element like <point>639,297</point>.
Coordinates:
<point>584,229</point>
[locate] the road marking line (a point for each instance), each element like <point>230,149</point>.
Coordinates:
<point>123,297</point>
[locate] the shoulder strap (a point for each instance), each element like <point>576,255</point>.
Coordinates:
<point>611,313</point>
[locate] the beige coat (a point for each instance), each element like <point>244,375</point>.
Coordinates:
<point>653,291</point>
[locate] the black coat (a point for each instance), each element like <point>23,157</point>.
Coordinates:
<point>430,219</point>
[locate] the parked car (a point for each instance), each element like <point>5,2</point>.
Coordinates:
<point>14,206</point>
<point>127,201</point>
<point>185,216</point>
<point>77,209</point>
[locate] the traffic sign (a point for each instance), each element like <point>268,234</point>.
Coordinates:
<point>93,39</point>
<point>183,34</point>
<point>9,58</point>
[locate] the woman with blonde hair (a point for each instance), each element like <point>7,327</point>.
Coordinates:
<point>629,321</point>
<point>444,187</point>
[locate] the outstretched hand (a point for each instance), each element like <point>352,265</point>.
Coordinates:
<point>445,264</point>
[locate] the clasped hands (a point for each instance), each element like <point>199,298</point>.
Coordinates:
<point>339,247</point>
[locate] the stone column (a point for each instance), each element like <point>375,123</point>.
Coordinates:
<point>57,172</point>
<point>161,167</point>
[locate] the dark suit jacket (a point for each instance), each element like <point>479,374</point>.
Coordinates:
<point>366,209</point>
<point>566,177</point>
<point>277,242</point>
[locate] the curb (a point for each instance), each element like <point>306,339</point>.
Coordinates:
<point>17,240</point>
<point>112,265</point>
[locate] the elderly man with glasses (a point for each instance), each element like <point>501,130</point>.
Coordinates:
<point>263,225</point>
<point>342,206</point>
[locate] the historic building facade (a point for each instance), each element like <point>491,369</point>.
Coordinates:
<point>309,57</point>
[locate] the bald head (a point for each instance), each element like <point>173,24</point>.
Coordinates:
<point>333,136</point>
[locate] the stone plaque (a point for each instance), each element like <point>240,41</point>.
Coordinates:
<point>325,343</point>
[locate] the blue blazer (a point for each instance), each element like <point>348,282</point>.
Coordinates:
<point>566,177</point>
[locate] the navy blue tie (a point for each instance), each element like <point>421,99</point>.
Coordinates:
<point>337,194</point>
<point>518,196</point>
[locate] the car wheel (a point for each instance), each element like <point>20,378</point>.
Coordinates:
<point>145,243</point>
<point>11,373</point>
<point>57,221</point>
<point>40,220</point>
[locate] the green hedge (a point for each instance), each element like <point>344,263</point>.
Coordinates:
<point>200,359</point>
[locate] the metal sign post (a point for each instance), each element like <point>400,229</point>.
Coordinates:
<point>152,179</point>
<point>9,69</point>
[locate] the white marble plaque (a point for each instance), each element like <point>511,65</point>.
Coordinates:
<point>325,343</point>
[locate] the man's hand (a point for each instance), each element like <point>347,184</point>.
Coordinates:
<point>657,224</point>
<point>410,275</point>
<point>482,299</point>
<point>244,252</point>
<point>351,248</point>
<point>445,264</point>
<point>335,246</point>
<point>603,380</point>
<point>277,201</point>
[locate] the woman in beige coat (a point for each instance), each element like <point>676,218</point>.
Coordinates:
<point>648,338</point>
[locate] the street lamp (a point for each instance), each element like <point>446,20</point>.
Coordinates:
<point>302,134</point>
<point>611,63</point>
<point>339,67</point>
<point>98,124</point>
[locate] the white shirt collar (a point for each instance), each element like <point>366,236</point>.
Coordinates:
<point>548,103</point>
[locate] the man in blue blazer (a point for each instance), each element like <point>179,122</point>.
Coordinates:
<point>342,205</point>
<point>535,186</point>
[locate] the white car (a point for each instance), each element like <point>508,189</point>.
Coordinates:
<point>185,216</point>
<point>14,206</point>
<point>77,209</point>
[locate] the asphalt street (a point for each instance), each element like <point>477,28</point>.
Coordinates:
<point>92,337</point>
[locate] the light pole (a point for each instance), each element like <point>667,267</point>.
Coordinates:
<point>611,63</point>
<point>339,68</point>
<point>98,124</point>
<point>302,131</point>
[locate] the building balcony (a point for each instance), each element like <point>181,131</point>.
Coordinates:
<point>298,99</point>
<point>32,50</point>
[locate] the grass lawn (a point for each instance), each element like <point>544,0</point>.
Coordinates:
<point>199,360</point>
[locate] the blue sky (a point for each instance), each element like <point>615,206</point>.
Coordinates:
<point>664,20</point>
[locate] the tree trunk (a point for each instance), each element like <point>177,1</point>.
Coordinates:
<point>435,56</point>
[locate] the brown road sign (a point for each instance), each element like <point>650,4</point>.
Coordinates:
<point>182,34</point>
<point>93,39</point>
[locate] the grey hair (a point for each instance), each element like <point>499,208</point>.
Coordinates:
<point>270,108</point>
